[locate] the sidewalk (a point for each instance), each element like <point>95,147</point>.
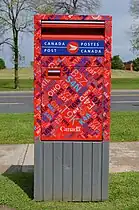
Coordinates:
<point>123,157</point>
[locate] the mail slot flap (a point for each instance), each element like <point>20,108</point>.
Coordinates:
<point>73,24</point>
<point>73,21</point>
<point>72,31</point>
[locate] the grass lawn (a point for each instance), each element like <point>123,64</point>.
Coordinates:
<point>16,191</point>
<point>8,84</point>
<point>18,128</point>
<point>24,73</point>
<point>125,83</point>
<point>124,126</point>
<point>124,74</point>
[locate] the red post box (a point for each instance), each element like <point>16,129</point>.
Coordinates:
<point>72,71</point>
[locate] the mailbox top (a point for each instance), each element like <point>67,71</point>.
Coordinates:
<point>77,18</point>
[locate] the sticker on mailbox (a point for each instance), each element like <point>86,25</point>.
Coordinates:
<point>75,47</point>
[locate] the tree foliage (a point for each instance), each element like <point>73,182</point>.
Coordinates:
<point>136,64</point>
<point>117,62</point>
<point>32,63</point>
<point>134,10</point>
<point>2,64</point>
<point>67,6</point>
<point>15,18</point>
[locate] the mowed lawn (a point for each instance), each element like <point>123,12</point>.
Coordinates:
<point>18,128</point>
<point>125,83</point>
<point>8,84</point>
<point>124,74</point>
<point>16,191</point>
<point>120,79</point>
<point>24,73</point>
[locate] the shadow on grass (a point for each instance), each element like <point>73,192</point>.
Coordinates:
<point>23,179</point>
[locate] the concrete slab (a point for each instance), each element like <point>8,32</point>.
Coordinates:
<point>123,157</point>
<point>12,155</point>
<point>28,164</point>
<point>5,208</point>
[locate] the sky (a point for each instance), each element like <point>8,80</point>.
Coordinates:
<point>122,21</point>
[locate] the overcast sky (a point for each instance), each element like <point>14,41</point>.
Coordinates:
<point>122,21</point>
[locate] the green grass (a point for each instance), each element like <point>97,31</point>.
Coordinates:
<point>124,74</point>
<point>16,191</point>
<point>124,126</point>
<point>125,83</point>
<point>8,84</point>
<point>24,73</point>
<point>18,128</point>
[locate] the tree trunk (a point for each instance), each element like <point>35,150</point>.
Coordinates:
<point>15,50</point>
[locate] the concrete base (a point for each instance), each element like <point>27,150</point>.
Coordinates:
<point>71,171</point>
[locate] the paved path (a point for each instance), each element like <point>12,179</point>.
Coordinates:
<point>123,157</point>
<point>20,102</point>
<point>6,208</point>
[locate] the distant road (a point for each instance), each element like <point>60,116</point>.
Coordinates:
<point>22,102</point>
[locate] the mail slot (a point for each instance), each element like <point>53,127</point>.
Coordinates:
<point>72,62</point>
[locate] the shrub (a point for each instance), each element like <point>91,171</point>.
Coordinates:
<point>32,63</point>
<point>117,62</point>
<point>136,64</point>
<point>2,64</point>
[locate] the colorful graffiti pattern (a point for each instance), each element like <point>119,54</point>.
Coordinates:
<point>77,105</point>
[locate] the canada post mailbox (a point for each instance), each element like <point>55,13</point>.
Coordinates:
<point>72,62</point>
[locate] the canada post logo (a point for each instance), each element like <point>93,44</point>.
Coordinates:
<point>73,47</point>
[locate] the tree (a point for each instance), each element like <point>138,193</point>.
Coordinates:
<point>67,6</point>
<point>136,64</point>
<point>2,64</point>
<point>15,18</point>
<point>31,63</point>
<point>117,62</point>
<point>134,10</point>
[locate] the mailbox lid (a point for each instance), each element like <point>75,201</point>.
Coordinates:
<point>73,30</point>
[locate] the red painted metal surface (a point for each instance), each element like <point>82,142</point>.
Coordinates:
<point>73,26</point>
<point>60,111</point>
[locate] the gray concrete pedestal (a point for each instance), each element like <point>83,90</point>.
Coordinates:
<point>71,171</point>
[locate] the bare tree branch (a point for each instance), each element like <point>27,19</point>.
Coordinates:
<point>19,8</point>
<point>134,11</point>
<point>67,6</point>
<point>6,41</point>
<point>5,20</point>
<point>134,8</point>
<point>15,18</point>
